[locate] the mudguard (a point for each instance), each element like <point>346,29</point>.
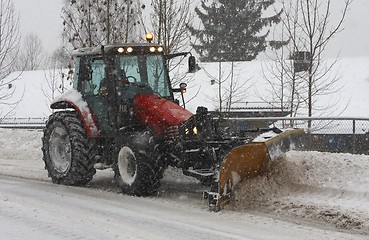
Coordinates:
<point>73,99</point>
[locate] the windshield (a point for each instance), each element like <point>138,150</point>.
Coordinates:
<point>145,70</point>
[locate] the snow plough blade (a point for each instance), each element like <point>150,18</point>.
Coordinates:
<point>250,160</point>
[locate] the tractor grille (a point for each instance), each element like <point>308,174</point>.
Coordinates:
<point>171,134</point>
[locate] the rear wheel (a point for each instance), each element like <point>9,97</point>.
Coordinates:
<point>68,154</point>
<point>136,170</point>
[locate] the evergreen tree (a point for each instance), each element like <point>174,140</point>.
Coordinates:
<point>233,30</point>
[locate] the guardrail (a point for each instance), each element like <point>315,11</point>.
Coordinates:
<point>23,123</point>
<point>332,134</point>
<point>319,125</point>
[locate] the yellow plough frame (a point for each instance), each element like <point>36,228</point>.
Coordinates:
<point>250,160</point>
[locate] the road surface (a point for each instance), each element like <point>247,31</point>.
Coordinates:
<point>31,207</point>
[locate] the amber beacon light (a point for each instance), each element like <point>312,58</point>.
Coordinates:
<point>149,37</point>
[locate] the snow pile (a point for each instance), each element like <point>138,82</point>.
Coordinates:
<point>265,136</point>
<point>319,187</point>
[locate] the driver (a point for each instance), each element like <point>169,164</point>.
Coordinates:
<point>122,77</point>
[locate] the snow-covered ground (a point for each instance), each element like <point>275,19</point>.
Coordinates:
<point>347,97</point>
<point>33,92</point>
<point>350,99</point>
<point>304,195</point>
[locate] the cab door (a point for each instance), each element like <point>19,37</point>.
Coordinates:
<point>92,89</point>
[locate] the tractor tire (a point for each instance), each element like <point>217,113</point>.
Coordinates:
<point>136,170</point>
<point>68,154</point>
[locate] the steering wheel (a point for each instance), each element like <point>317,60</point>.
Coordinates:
<point>134,79</point>
<point>135,82</point>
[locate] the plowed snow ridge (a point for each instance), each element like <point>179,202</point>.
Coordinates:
<point>324,188</point>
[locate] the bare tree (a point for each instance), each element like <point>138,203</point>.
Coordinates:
<point>169,24</point>
<point>235,92</point>
<point>231,88</point>
<point>9,48</point>
<point>56,75</point>
<point>170,20</point>
<point>285,84</point>
<point>31,56</point>
<point>56,82</point>
<point>307,24</point>
<point>90,23</point>
<point>60,58</point>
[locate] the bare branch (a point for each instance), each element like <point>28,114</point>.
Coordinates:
<point>9,48</point>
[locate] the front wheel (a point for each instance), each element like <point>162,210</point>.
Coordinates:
<point>136,169</point>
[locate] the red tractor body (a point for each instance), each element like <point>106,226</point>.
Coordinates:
<point>159,113</point>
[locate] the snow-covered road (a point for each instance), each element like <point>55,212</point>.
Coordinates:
<point>40,210</point>
<point>31,207</point>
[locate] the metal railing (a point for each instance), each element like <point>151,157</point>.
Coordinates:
<point>332,134</point>
<point>319,125</point>
<point>23,123</point>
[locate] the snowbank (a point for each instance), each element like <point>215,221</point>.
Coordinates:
<point>324,188</point>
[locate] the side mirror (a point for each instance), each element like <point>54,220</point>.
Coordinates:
<point>192,67</point>
<point>183,87</point>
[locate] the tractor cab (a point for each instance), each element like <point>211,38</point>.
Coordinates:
<point>110,77</point>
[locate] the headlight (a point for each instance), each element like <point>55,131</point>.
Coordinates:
<point>130,49</point>
<point>193,131</point>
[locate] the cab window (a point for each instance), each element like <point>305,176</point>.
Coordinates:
<point>96,73</point>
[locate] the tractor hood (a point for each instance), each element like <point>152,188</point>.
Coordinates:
<point>159,113</point>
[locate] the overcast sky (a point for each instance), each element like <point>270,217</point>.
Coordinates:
<point>43,18</point>
<point>354,39</point>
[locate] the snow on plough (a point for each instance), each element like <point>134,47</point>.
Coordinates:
<point>121,113</point>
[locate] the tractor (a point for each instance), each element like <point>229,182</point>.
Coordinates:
<point>122,114</point>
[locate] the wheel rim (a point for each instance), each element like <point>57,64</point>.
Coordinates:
<point>60,149</point>
<point>127,165</point>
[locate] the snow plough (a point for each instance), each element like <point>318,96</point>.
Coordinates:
<point>121,113</point>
